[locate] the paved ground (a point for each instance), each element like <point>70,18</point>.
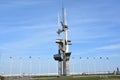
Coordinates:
<point>19,78</point>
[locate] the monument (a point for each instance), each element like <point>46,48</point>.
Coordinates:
<point>63,55</point>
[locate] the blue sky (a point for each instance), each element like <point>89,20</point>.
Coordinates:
<point>28,28</point>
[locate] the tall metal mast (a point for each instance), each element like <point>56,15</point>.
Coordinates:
<point>59,50</point>
<point>63,47</point>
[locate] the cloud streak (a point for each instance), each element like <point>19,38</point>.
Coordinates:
<point>23,3</point>
<point>109,47</point>
<point>41,35</point>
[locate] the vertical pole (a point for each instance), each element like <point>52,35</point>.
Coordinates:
<point>48,67</point>
<point>94,65</point>
<point>101,64</point>
<point>20,68</point>
<point>65,38</point>
<point>20,65</point>
<point>66,50</point>
<point>80,65</point>
<point>30,66</point>
<point>39,65</point>
<point>10,65</point>
<point>87,65</point>
<point>108,64</point>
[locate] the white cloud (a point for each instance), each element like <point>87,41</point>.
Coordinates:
<point>43,36</point>
<point>108,50</point>
<point>109,47</point>
<point>17,3</point>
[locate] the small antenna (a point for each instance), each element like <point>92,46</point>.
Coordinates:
<point>58,21</point>
<point>63,17</point>
<point>62,4</point>
<point>63,14</point>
